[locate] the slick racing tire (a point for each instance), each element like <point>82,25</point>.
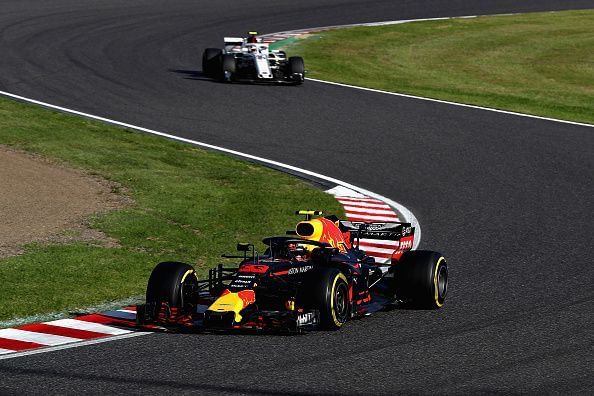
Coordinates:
<point>228,64</point>
<point>296,69</point>
<point>173,283</point>
<point>326,289</point>
<point>421,279</point>
<point>211,59</point>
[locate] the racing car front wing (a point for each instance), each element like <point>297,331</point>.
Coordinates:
<point>204,320</point>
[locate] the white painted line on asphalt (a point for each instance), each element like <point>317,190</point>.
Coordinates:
<point>88,326</point>
<point>3,351</point>
<point>452,103</point>
<point>318,29</point>
<point>385,23</point>
<point>406,214</point>
<point>38,338</point>
<point>75,345</point>
<point>343,192</point>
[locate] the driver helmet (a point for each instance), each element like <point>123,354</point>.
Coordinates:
<point>252,37</point>
<point>298,251</point>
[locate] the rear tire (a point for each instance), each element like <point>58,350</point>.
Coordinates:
<point>173,283</point>
<point>326,289</point>
<point>421,278</point>
<point>211,59</point>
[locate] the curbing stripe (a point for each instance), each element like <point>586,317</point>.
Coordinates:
<point>355,210</point>
<point>379,243</point>
<point>44,337</point>
<point>380,250</point>
<point>62,331</point>
<point>368,217</point>
<point>34,337</point>
<point>363,205</point>
<point>372,250</point>
<point>15,345</point>
<point>75,345</point>
<point>88,326</point>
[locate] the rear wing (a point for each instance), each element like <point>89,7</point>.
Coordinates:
<point>232,43</point>
<point>233,40</point>
<point>383,231</point>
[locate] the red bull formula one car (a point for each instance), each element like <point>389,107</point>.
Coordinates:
<point>316,277</point>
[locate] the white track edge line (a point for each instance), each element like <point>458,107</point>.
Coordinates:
<point>73,345</point>
<point>453,103</point>
<point>407,215</point>
<point>318,29</point>
<point>402,21</point>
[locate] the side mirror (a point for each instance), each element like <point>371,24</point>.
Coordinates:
<point>243,247</point>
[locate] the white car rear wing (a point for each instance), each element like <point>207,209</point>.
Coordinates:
<point>233,41</point>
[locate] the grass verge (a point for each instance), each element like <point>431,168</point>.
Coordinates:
<point>540,63</point>
<point>190,205</point>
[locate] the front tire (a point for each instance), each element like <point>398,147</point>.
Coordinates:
<point>421,278</point>
<point>228,66</point>
<point>296,69</point>
<point>172,283</point>
<point>211,59</point>
<point>326,289</point>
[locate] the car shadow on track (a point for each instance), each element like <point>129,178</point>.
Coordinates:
<point>198,75</point>
<point>191,74</point>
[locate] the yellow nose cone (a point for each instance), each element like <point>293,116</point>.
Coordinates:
<point>233,302</point>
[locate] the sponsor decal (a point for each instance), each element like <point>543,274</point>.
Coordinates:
<point>306,319</point>
<point>299,270</point>
<point>243,281</point>
<point>406,244</point>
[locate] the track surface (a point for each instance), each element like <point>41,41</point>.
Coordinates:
<point>507,199</point>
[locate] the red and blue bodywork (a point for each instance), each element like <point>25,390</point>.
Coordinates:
<point>316,276</point>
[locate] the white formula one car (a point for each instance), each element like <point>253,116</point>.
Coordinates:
<point>250,60</point>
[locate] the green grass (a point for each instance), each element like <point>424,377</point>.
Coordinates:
<point>540,63</point>
<point>190,205</point>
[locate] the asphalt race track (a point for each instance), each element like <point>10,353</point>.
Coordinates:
<point>507,199</point>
